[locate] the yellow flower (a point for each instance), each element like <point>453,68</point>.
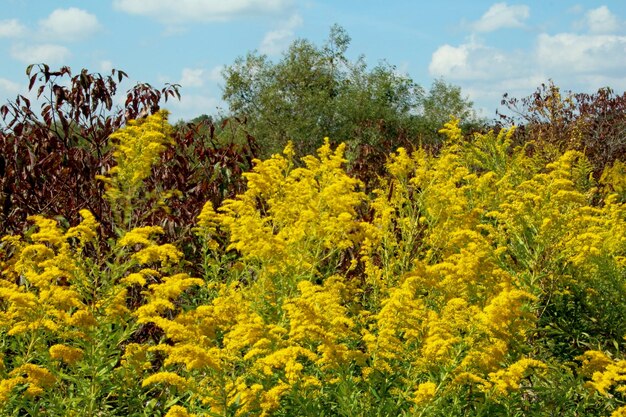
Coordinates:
<point>507,380</point>
<point>452,130</point>
<point>66,353</point>
<point>7,386</point>
<point>612,375</point>
<point>82,318</point>
<point>425,392</point>
<point>288,218</point>
<point>593,361</point>
<point>138,147</point>
<point>140,236</point>
<point>86,231</point>
<point>193,356</point>
<point>37,378</point>
<point>271,399</point>
<point>178,411</point>
<point>169,378</point>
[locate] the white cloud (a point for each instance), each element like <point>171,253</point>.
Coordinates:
<point>11,28</point>
<point>216,73</point>
<point>192,105</point>
<point>8,87</point>
<point>580,63</point>
<point>69,24</point>
<point>192,77</point>
<point>42,53</point>
<point>277,40</point>
<point>501,15</point>
<point>105,66</point>
<point>474,61</point>
<point>582,54</point>
<point>178,11</point>
<point>601,20</point>
<point>448,59</point>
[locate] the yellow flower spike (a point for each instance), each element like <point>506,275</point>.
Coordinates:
<point>289,150</point>
<point>178,411</point>
<point>86,231</point>
<point>613,375</point>
<point>288,216</point>
<point>49,231</point>
<point>506,380</point>
<point>207,219</point>
<point>140,236</point>
<point>168,378</point>
<point>67,354</point>
<point>37,377</point>
<point>138,147</point>
<point>7,386</point>
<point>425,392</point>
<point>400,165</point>
<point>593,361</point>
<point>271,399</point>
<point>452,130</point>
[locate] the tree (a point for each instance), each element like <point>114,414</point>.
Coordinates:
<point>313,92</point>
<point>443,100</point>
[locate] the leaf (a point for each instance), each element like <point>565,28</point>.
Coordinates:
<point>32,81</point>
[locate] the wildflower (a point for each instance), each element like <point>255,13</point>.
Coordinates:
<point>37,378</point>
<point>425,392</point>
<point>66,353</point>
<point>507,380</point>
<point>178,411</point>
<point>169,378</point>
<point>270,400</point>
<point>451,129</point>
<point>86,231</point>
<point>613,374</point>
<point>140,236</point>
<point>137,148</point>
<point>7,386</point>
<point>593,361</point>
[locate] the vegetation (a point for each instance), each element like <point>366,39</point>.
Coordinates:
<point>156,270</point>
<point>316,92</point>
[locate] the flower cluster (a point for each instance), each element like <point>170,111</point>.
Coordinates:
<point>467,283</point>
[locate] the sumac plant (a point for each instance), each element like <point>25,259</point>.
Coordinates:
<point>50,157</point>
<point>591,123</point>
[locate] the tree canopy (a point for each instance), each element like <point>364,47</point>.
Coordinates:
<point>316,91</point>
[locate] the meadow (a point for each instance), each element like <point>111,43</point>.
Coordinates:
<point>485,277</point>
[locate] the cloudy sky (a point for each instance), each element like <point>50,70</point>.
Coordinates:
<point>488,48</point>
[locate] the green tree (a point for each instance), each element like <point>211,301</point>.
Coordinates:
<point>444,99</point>
<point>313,92</point>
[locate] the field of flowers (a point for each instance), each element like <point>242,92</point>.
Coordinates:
<point>483,280</point>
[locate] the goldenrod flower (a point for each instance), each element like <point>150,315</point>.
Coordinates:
<point>37,378</point>
<point>425,392</point>
<point>67,354</point>
<point>169,378</point>
<point>178,411</point>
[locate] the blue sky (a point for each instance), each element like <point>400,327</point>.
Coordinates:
<point>486,47</point>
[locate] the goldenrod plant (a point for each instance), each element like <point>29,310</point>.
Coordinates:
<point>481,281</point>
